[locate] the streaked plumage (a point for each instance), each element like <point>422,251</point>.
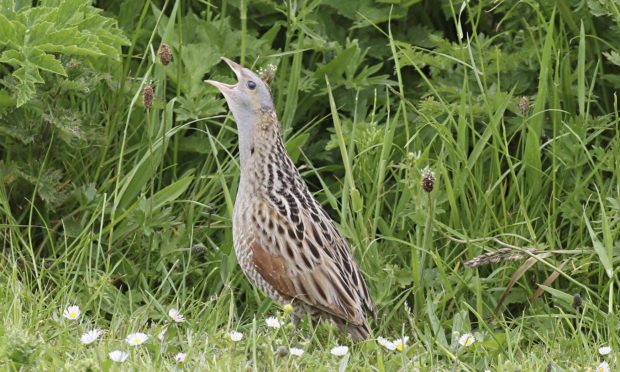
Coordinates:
<point>286,244</point>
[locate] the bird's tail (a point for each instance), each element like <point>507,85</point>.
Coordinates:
<point>359,332</point>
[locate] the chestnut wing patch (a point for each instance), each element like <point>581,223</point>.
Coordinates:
<point>273,268</point>
<point>319,284</point>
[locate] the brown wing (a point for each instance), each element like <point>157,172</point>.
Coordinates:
<point>307,259</point>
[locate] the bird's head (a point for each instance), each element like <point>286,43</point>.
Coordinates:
<point>248,98</point>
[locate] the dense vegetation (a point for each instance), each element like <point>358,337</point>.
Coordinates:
<point>119,172</point>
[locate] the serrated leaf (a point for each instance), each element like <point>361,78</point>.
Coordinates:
<point>45,61</point>
<point>28,76</point>
<point>8,32</point>
<point>613,57</point>
<point>70,27</point>
<point>69,11</point>
<point>12,57</point>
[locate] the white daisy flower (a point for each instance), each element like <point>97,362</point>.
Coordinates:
<point>180,357</point>
<point>401,343</point>
<point>603,367</point>
<point>137,338</point>
<point>467,339</point>
<point>273,322</point>
<point>386,343</point>
<point>296,351</point>
<point>90,336</point>
<point>236,336</point>
<point>604,350</point>
<point>176,315</point>
<point>72,312</point>
<point>340,350</point>
<point>118,356</point>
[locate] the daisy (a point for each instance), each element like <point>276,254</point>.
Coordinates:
<point>386,343</point>
<point>467,339</point>
<point>135,339</point>
<point>118,356</point>
<point>296,351</point>
<point>180,357</point>
<point>340,350</point>
<point>400,343</point>
<point>236,336</point>
<point>90,336</point>
<point>273,322</point>
<point>176,315</point>
<point>603,367</point>
<point>604,350</point>
<point>72,312</point>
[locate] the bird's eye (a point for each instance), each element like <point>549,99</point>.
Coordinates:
<point>251,85</point>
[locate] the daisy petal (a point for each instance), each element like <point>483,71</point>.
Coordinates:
<point>118,356</point>
<point>603,367</point>
<point>236,336</point>
<point>137,338</point>
<point>72,312</point>
<point>467,339</point>
<point>604,350</point>
<point>340,350</point>
<point>386,343</point>
<point>273,322</point>
<point>90,336</point>
<point>176,315</point>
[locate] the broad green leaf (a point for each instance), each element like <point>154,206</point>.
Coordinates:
<point>599,248</point>
<point>28,76</point>
<point>69,11</point>
<point>70,27</point>
<point>294,145</point>
<point>171,192</point>
<point>558,294</point>
<point>357,202</point>
<point>8,31</point>
<point>45,61</point>
<point>12,57</point>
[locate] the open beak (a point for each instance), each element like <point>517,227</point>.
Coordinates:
<point>227,87</point>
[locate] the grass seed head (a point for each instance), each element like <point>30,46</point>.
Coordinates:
<point>524,104</point>
<point>147,96</point>
<point>165,55</point>
<point>428,179</point>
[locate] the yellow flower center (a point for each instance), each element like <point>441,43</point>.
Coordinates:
<point>136,340</point>
<point>399,347</point>
<point>73,315</point>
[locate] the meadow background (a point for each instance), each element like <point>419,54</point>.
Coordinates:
<point>121,203</point>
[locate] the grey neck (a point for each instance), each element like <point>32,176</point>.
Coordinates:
<point>251,126</point>
<point>246,125</point>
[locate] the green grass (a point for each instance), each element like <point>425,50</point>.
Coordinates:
<point>125,210</point>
